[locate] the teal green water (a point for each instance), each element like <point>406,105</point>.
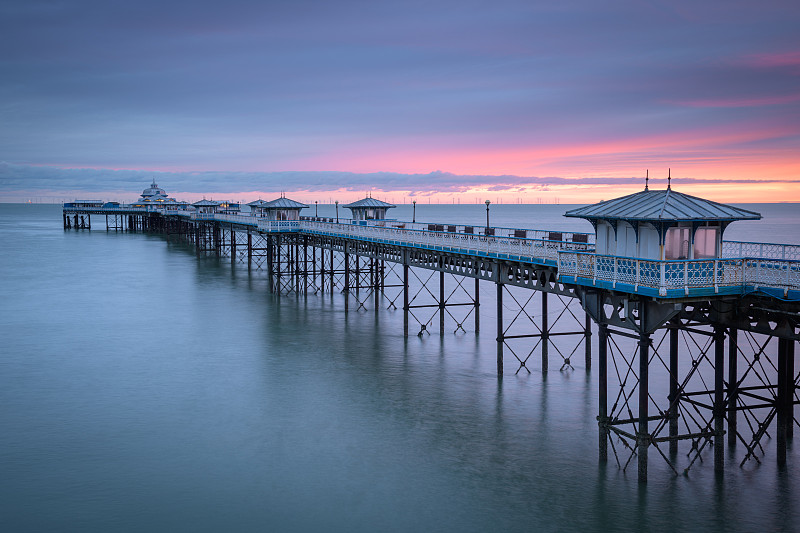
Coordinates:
<point>145,389</point>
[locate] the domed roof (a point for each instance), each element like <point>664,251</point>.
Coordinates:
<point>153,190</point>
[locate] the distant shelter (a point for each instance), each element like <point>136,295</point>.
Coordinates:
<point>281,209</point>
<point>368,209</point>
<point>206,206</point>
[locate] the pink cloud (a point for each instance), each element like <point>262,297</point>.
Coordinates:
<point>786,59</point>
<point>740,102</point>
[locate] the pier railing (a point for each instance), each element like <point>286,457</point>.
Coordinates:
<point>670,278</point>
<point>536,250</point>
<point>278,225</point>
<point>761,250</point>
<point>246,220</point>
<point>498,231</point>
<point>104,210</point>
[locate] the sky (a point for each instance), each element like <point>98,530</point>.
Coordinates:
<point>515,101</point>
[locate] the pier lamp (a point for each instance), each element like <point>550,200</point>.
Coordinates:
<point>487,213</point>
<point>316,208</point>
<point>414,211</point>
<point>337,211</point>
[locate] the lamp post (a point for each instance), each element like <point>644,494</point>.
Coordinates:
<point>337,211</point>
<point>414,211</point>
<point>487,213</point>
<point>316,208</point>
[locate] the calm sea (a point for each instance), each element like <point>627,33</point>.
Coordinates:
<point>145,389</point>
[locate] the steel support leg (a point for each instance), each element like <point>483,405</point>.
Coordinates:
<point>587,356</point>
<point>405,300</point>
<point>733,379</point>
<point>602,388</point>
<point>500,338</point>
<point>790,390</point>
<point>673,389</point>
<point>719,398</point>
<point>545,333</point>
<point>477,301</point>
<point>441,302</point>
<point>783,398</point>
<point>250,251</point>
<point>643,437</point>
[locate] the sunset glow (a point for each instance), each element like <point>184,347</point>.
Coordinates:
<point>513,101</point>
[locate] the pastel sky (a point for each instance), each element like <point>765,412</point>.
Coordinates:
<point>513,100</point>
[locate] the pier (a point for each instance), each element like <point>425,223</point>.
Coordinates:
<point>656,283</point>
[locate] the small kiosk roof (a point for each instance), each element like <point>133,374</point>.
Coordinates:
<point>662,205</point>
<point>282,203</point>
<point>206,203</point>
<point>366,203</point>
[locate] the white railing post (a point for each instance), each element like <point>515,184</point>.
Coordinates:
<point>716,267</point>
<point>686,277</point>
<point>614,278</point>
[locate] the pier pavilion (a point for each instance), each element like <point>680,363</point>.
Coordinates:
<point>660,225</point>
<point>206,206</point>
<point>257,208</point>
<point>368,209</point>
<point>282,209</point>
<point>731,308</point>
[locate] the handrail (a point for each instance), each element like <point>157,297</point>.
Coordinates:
<point>685,275</point>
<point>539,250</point>
<point>761,250</point>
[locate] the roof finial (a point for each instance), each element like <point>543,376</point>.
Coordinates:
<point>669,179</point>
<point>646,180</point>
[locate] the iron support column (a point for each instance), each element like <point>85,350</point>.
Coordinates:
<point>477,305</point>
<point>588,342</point>
<point>602,389</point>
<point>270,260</point>
<point>500,338</point>
<point>376,283</point>
<point>250,250</point>
<point>233,245</point>
<point>545,333</point>
<point>719,398</point>
<point>441,302</point>
<point>790,384</point>
<point>643,436</point>
<point>673,389</point>
<point>733,384</point>
<point>405,297</point>
<point>784,398</point>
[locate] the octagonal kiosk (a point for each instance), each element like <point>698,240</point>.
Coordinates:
<point>281,214</point>
<point>661,225</point>
<point>205,209</point>
<point>369,211</point>
<point>257,208</point>
<point>654,241</point>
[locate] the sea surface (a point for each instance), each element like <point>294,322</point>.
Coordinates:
<point>144,388</point>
